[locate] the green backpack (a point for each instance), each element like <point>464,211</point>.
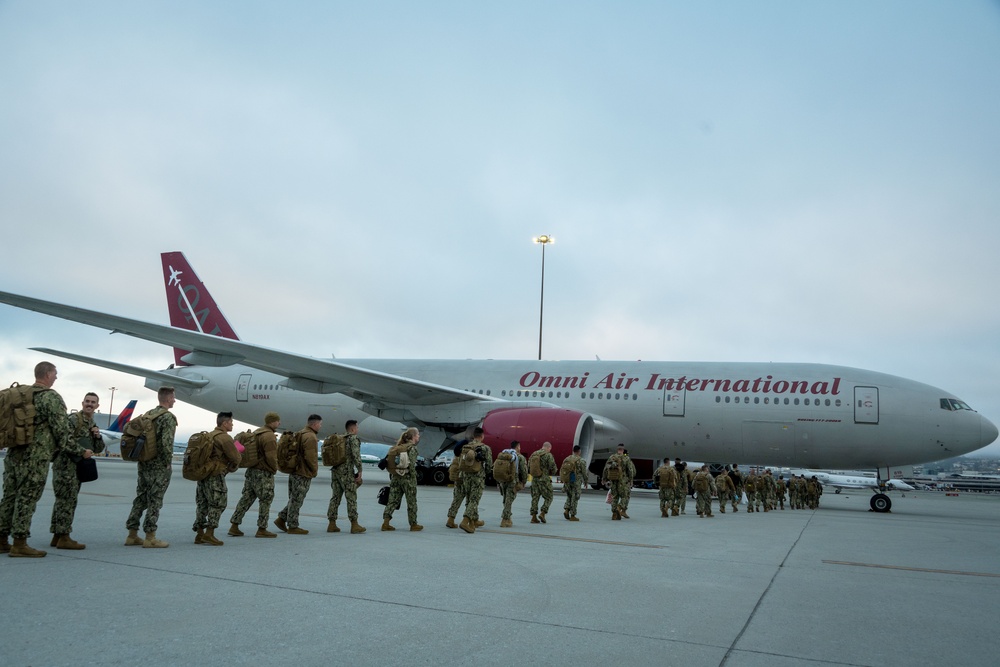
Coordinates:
<point>197,457</point>
<point>138,441</point>
<point>251,448</point>
<point>335,450</point>
<point>288,452</point>
<point>17,415</point>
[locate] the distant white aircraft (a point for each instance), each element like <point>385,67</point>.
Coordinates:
<point>782,414</point>
<point>839,482</point>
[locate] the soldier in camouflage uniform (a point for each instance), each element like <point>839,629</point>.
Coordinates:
<point>724,487</point>
<point>617,464</point>
<point>508,490</point>
<point>793,492</point>
<point>65,483</point>
<point>666,479</point>
<point>628,487</point>
<point>154,476</point>
<point>258,482</point>
<point>704,486</point>
<point>750,486</point>
<point>577,468</point>
<point>684,477</point>
<point>403,480</point>
<point>212,494</point>
<point>470,486</point>
<point>345,480</point>
<point>27,467</point>
<point>300,480</point>
<point>779,491</point>
<point>765,489</point>
<point>541,486</point>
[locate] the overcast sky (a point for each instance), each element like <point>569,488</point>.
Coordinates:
<point>767,181</point>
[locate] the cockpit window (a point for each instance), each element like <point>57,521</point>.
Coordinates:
<point>954,404</point>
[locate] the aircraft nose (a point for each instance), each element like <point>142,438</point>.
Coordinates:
<point>987,431</point>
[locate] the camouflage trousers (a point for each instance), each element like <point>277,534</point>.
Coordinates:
<point>398,488</point>
<point>737,495</point>
<point>298,487</point>
<point>793,499</point>
<point>151,485</point>
<point>67,490</point>
<point>682,498</point>
<point>541,488</point>
<point>666,498</point>
<point>752,501</point>
<point>572,490</point>
<point>470,489</point>
<point>24,472</point>
<point>618,496</point>
<point>509,492</point>
<point>779,500</point>
<point>210,502</point>
<point>628,494</point>
<point>258,485</point>
<point>724,497</point>
<point>342,484</point>
<point>704,503</point>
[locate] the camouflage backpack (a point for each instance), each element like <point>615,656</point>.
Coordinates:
<point>198,457</point>
<point>567,471</point>
<point>453,474</point>
<point>614,469</point>
<point>138,443</point>
<point>503,468</point>
<point>251,447</point>
<point>335,450</point>
<point>289,448</point>
<point>17,415</point>
<point>535,464</point>
<point>467,460</point>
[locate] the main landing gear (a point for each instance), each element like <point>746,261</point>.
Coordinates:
<point>880,502</point>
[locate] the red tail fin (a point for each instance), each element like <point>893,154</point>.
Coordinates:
<point>190,305</point>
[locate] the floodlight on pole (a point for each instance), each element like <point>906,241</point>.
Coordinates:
<point>543,240</point>
<point>111,406</point>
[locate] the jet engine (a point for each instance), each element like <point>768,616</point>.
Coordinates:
<point>534,426</point>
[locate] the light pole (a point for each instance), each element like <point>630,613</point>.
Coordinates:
<point>111,406</point>
<point>544,240</point>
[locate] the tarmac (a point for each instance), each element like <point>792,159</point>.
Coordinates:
<point>837,586</point>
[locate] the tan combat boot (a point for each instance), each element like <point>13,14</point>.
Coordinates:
<point>451,523</point>
<point>506,523</point>
<point>664,512</point>
<point>297,531</point>
<point>566,514</point>
<point>55,539</point>
<point>152,543</point>
<point>67,542</point>
<point>280,523</point>
<point>615,516</point>
<point>386,526</point>
<point>541,517</point>
<point>357,527</point>
<point>467,525</point>
<point>573,518</point>
<point>534,518</point>
<point>415,527</point>
<point>480,523</point>
<point>624,513</point>
<point>235,531</point>
<point>20,549</point>
<point>199,537</point>
<point>675,512</point>
<point>4,544</point>
<point>210,538</point>
<point>133,539</point>
<point>332,527</point>
<point>264,532</point>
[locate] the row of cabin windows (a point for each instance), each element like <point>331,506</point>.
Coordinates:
<point>780,401</point>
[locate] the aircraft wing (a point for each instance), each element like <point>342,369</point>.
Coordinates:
<point>304,372</point>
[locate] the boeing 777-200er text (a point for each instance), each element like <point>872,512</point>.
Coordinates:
<point>782,414</point>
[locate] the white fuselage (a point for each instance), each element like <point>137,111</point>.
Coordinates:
<point>803,415</point>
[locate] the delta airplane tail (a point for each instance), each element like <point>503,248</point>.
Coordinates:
<point>126,415</point>
<point>189,303</point>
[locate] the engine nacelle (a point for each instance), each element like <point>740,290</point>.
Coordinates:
<point>534,426</point>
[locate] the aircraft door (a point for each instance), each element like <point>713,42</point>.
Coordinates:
<point>673,402</point>
<point>866,405</point>
<point>243,388</point>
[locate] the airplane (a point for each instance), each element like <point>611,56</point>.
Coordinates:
<point>839,482</point>
<point>787,414</point>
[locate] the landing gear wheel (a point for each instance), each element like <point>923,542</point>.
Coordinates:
<point>880,503</point>
<point>440,477</point>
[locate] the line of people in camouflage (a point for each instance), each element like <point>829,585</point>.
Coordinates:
<point>64,439</point>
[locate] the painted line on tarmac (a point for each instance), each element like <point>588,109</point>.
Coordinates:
<point>571,539</point>
<point>912,569</point>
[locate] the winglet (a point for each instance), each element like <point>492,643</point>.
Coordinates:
<point>190,305</point>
